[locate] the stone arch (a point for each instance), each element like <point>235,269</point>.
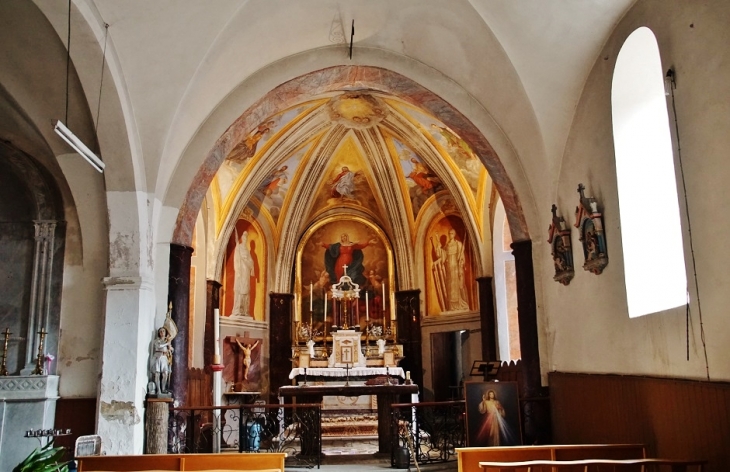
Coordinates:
<point>336,78</point>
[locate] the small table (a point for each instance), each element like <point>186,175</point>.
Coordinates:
<point>387,395</point>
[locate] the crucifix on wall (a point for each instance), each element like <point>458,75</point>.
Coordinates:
<point>246,353</point>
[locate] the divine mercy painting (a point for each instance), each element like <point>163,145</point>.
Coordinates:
<point>492,414</point>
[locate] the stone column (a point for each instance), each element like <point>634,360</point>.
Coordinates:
<point>280,342</point>
<point>487,317</point>
<point>408,313</point>
<point>179,294</point>
<point>40,290</point>
<point>536,405</point>
<point>128,332</point>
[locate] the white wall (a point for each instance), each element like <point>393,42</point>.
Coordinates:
<point>585,327</point>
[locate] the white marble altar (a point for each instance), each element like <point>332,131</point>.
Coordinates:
<point>25,402</point>
<point>353,372</point>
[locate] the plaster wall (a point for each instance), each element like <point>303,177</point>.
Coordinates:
<point>585,327</point>
<point>82,305</point>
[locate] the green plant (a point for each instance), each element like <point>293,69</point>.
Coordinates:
<point>45,459</point>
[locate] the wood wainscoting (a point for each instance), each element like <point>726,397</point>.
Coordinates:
<point>676,419</point>
<point>78,415</point>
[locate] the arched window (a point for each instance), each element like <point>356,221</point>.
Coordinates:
<point>647,188</point>
<point>505,288</point>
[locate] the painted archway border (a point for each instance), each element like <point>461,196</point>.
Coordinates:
<point>337,78</point>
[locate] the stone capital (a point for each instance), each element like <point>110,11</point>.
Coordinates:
<point>127,283</point>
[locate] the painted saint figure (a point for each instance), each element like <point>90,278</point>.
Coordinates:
<point>243,265</point>
<point>246,350</point>
<point>494,426</point>
<point>348,253</point>
<point>423,176</point>
<point>343,185</point>
<point>376,283</point>
<point>276,179</point>
<point>450,265</point>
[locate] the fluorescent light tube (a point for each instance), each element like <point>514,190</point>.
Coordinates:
<point>78,146</point>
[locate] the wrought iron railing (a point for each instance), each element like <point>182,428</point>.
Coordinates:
<point>430,431</point>
<point>294,429</point>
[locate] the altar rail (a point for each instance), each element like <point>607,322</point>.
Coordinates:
<point>276,427</point>
<point>430,430</point>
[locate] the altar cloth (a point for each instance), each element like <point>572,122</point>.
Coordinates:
<point>340,372</point>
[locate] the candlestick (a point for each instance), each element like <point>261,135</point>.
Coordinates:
<point>325,305</point>
<point>216,336</point>
<point>383,300</point>
<point>367,311</point>
<point>39,360</point>
<point>3,367</point>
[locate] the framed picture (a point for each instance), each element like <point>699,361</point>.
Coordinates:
<point>492,414</point>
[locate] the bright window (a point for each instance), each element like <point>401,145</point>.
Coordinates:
<point>505,288</point>
<point>647,188</point>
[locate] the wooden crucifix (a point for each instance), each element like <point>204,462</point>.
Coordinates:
<point>246,345</point>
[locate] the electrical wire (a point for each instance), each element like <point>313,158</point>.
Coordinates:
<point>68,57</point>
<point>670,75</point>
<point>101,82</point>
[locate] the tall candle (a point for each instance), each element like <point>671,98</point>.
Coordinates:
<point>216,334</point>
<point>325,306</point>
<point>310,296</point>
<point>383,300</point>
<point>367,312</point>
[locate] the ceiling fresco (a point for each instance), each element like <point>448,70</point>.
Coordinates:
<point>357,150</point>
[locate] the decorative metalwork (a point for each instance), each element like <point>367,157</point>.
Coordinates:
<point>431,431</point>
<point>251,428</point>
<point>345,292</point>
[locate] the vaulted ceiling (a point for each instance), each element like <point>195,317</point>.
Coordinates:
<point>184,70</point>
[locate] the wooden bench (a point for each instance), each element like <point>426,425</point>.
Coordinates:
<point>266,462</point>
<point>470,457</point>
<point>677,465</point>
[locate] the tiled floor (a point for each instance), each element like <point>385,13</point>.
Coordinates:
<point>350,455</point>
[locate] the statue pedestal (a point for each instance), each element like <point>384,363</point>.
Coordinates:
<point>346,349</point>
<point>156,424</point>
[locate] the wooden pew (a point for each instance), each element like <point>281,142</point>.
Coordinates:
<point>585,464</point>
<point>470,457</point>
<point>268,462</point>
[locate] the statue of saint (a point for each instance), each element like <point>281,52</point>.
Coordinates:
<point>161,363</point>
<point>162,355</point>
<point>243,265</point>
<point>246,350</point>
